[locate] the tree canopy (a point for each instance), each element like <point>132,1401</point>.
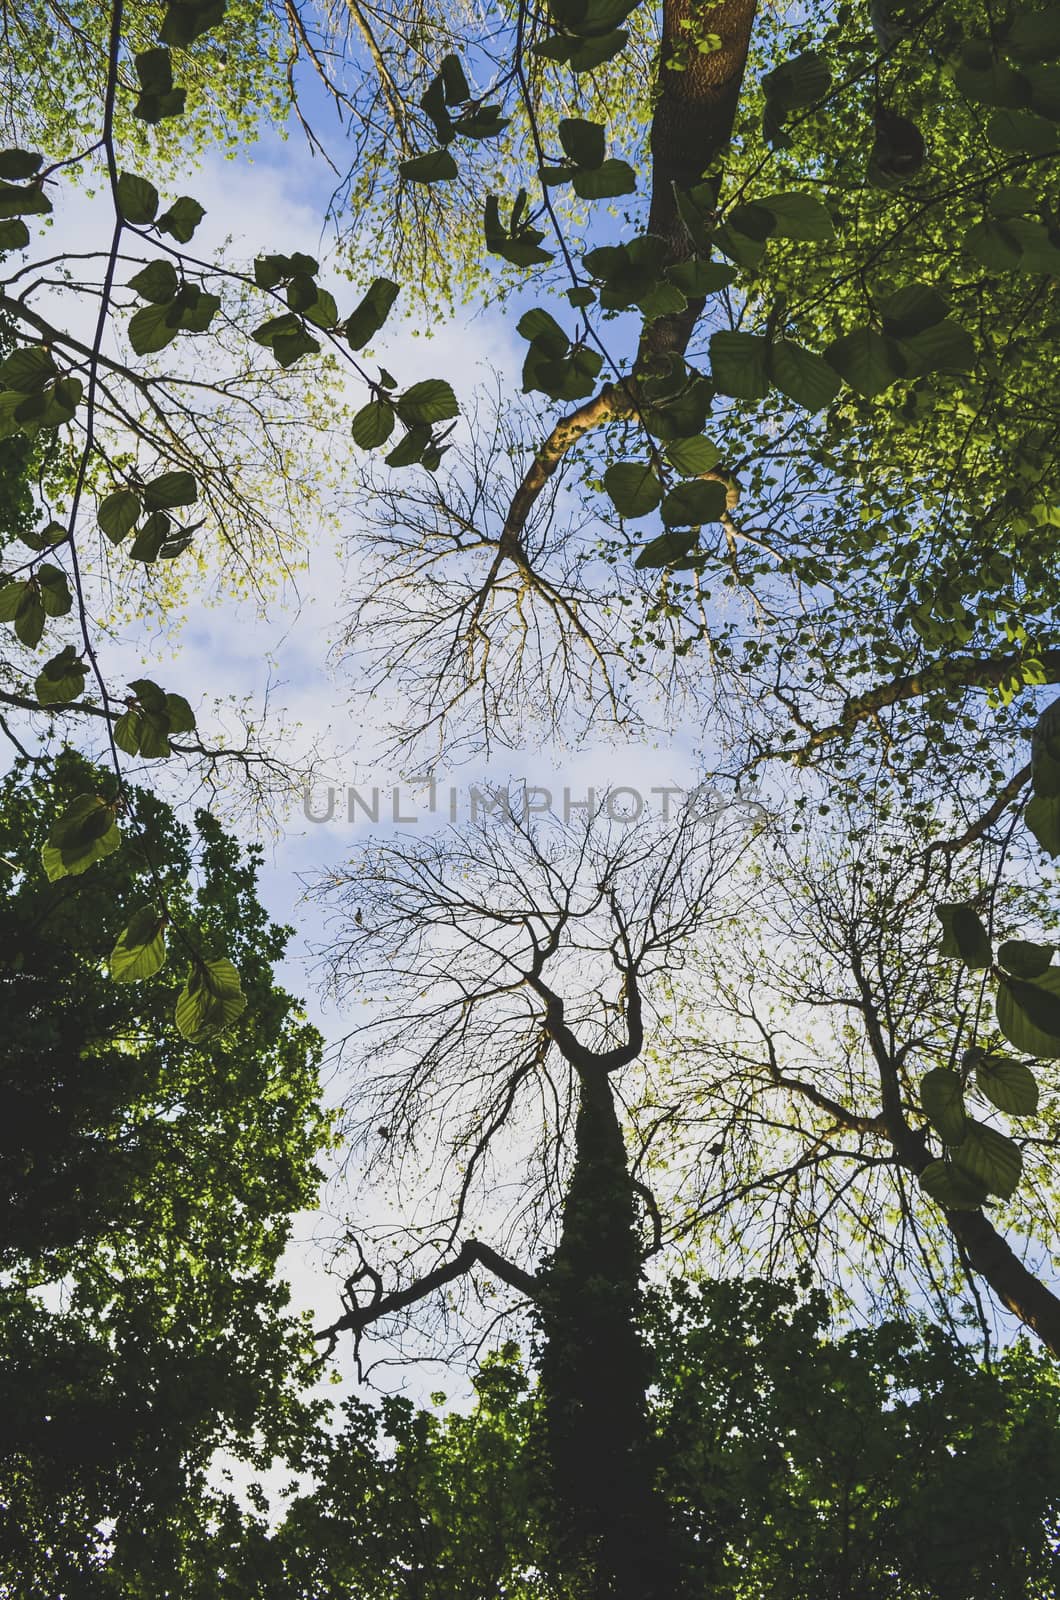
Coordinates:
<point>148,1187</point>
<point>782,477</point>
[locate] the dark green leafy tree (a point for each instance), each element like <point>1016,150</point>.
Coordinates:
<point>148,1185</point>
<point>798,1460</point>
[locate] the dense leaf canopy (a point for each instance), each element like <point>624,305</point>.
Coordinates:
<point>782,477</point>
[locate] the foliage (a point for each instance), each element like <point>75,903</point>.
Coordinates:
<point>883,1461</point>
<point>148,1187</point>
<point>811,363</point>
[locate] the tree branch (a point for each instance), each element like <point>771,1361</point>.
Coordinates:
<point>950,673</point>
<point>473,1253</point>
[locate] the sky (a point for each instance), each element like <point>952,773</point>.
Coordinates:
<point>272,199</point>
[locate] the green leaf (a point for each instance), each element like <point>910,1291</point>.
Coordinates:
<point>270,270</point>
<point>569,379</point>
<point>150,694</point>
<point>1012,200</point>
<point>1008,1084</point>
<point>746,251</point>
<point>211,1000</point>
<point>186,20</point>
<point>11,595</point>
<point>16,201</point>
<point>431,401</point>
<point>409,450</point>
<point>28,369</point>
<point>613,177</point>
<point>946,347</point>
<point>181,716</point>
<point>522,246</point>
<point>182,218</point>
<point>455,86</point>
<point>158,98</point>
<point>151,329</point>
<point>695,502</point>
<point>54,590</point>
<point>1024,959</point>
<point>373,424</point>
<point>62,679</point>
<point>14,235</point>
<point>805,378</point>
<point>197,309</point>
<point>1045,751</point>
<point>287,338</point>
<point>1019,244</point>
<point>1034,36</point>
<point>157,282</point>
<point>438,166</point>
<point>371,313</point>
<point>996,85</point>
<point>582,55</point>
<point>1042,816</point>
<point>963,936</point>
<point>798,216</point>
<point>628,271</point>
<point>867,361</point>
<point>697,278</point>
<point>127,732</point>
<point>171,489</point>
<point>583,142</point>
<point>541,328</point>
<point>1028,1013</point>
<point>802,81</point>
<point>738,365</point>
<point>141,948</point>
<point>18,164</point>
<point>693,457</point>
<point>46,538</point>
<point>1022,132</point>
<point>668,550</point>
<point>995,246</point>
<point>154,735</point>
<point>990,1157</point>
<point>154,68</point>
<point>153,108</point>
<point>84,834</point>
<point>137,198</point>
<point>154,531</point>
<point>942,1097</point>
<point>952,1188</point>
<point>633,488</point>
<point>29,622</point>
<point>52,407</point>
<point>681,415</point>
<point>664,300</point>
<point>912,309</point>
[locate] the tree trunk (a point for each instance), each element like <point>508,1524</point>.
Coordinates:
<point>609,1526</point>
<point>692,125</point>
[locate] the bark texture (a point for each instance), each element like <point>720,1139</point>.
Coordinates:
<point>609,1525</point>
<point>692,125</point>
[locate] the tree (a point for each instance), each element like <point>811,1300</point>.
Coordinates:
<point>476,937</point>
<point>836,637</point>
<point>945,1490</point>
<point>833,575</point>
<point>801,1121</point>
<point>148,1187</point>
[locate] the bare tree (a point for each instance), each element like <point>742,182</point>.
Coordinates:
<point>524,965</point>
<point>791,1127</point>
